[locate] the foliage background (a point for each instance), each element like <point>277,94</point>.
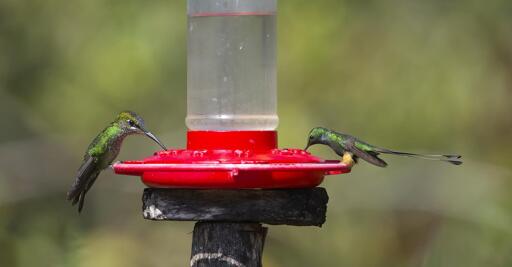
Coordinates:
<point>413,75</point>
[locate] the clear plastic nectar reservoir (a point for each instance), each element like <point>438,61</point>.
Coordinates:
<point>231,78</point>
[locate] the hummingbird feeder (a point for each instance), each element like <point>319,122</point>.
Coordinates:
<point>231,108</point>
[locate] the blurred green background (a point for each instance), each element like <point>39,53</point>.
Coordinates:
<point>426,76</point>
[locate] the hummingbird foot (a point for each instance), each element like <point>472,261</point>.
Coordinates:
<point>111,166</point>
<point>348,160</point>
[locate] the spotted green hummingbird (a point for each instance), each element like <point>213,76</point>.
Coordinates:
<point>351,149</point>
<point>102,152</point>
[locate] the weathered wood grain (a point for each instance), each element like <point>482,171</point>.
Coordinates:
<point>302,207</point>
<point>217,244</point>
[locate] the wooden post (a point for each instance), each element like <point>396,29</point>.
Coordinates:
<point>229,231</point>
<point>227,244</point>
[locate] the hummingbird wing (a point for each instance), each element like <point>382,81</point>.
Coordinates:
<point>81,198</point>
<point>369,156</point>
<point>86,173</point>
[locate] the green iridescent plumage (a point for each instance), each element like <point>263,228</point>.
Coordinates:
<point>347,145</point>
<point>102,152</point>
<point>101,143</point>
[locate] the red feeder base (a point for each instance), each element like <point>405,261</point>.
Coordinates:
<point>238,159</point>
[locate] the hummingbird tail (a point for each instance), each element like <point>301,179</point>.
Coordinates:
<point>81,202</point>
<point>453,159</point>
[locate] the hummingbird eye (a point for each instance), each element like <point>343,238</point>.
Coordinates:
<point>131,123</point>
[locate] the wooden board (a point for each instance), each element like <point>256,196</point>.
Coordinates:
<point>301,207</point>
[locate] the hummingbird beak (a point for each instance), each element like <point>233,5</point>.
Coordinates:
<point>308,145</point>
<point>153,137</point>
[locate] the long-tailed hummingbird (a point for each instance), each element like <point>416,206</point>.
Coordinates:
<point>102,152</point>
<point>350,148</point>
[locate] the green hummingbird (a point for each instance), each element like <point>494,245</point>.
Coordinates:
<point>102,152</point>
<point>350,148</point>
